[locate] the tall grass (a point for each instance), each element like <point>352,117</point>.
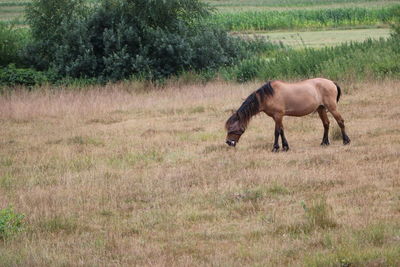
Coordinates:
<point>14,3</point>
<point>355,61</point>
<point>298,19</point>
<point>284,3</point>
<point>108,176</point>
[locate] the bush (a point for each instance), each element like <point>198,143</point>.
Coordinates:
<point>45,18</point>
<point>116,39</point>
<point>11,42</point>
<point>12,76</point>
<point>10,222</point>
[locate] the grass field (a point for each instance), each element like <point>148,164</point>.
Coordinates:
<point>305,19</point>
<point>324,38</point>
<point>228,6</point>
<point>111,176</point>
<point>12,12</point>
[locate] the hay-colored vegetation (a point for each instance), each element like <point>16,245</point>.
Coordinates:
<point>320,39</point>
<point>111,176</point>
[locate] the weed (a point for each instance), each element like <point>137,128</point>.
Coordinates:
<point>10,222</point>
<point>374,235</point>
<point>81,140</point>
<point>318,214</point>
<point>277,189</point>
<point>197,109</point>
<point>58,224</point>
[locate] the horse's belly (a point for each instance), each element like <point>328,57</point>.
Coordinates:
<point>300,112</point>
<point>301,106</point>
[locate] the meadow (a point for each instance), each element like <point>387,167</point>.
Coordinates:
<point>304,19</point>
<point>320,39</point>
<point>137,173</point>
<point>118,176</point>
<point>225,5</point>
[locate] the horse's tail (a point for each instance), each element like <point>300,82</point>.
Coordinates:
<point>339,92</point>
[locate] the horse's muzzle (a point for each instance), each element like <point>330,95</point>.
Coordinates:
<point>231,143</point>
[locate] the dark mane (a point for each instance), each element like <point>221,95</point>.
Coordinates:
<point>250,106</point>
<point>265,90</point>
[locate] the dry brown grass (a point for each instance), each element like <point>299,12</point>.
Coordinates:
<point>109,177</point>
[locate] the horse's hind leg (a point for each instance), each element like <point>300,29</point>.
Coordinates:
<point>285,145</point>
<point>325,121</point>
<point>340,121</point>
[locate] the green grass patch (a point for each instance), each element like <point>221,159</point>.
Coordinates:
<point>11,222</point>
<point>58,224</point>
<point>303,19</point>
<point>346,61</point>
<point>14,4</point>
<point>317,215</point>
<point>277,189</point>
<point>374,245</point>
<point>285,3</point>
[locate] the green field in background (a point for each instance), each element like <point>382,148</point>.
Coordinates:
<point>257,5</point>
<point>324,38</point>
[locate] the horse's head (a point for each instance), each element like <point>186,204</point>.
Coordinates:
<point>234,129</point>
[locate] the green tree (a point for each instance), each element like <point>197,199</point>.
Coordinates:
<point>45,18</point>
<point>11,42</point>
<point>115,39</point>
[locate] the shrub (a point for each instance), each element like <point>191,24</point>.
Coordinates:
<point>10,222</point>
<point>11,42</point>
<point>115,39</point>
<point>45,18</point>
<point>12,76</point>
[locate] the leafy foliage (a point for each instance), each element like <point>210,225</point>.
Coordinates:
<point>117,39</point>
<point>11,41</point>
<point>12,76</point>
<point>47,19</point>
<point>10,222</point>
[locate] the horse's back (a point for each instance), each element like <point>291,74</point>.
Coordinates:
<point>304,97</point>
<point>328,92</point>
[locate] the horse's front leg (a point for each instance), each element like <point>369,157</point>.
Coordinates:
<point>279,131</point>
<point>276,144</point>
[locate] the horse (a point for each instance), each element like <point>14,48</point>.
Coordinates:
<point>278,99</point>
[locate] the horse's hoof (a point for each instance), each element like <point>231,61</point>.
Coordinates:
<point>275,149</point>
<point>285,148</point>
<point>346,140</point>
<point>325,144</point>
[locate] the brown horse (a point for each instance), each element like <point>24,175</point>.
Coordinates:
<point>277,99</point>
